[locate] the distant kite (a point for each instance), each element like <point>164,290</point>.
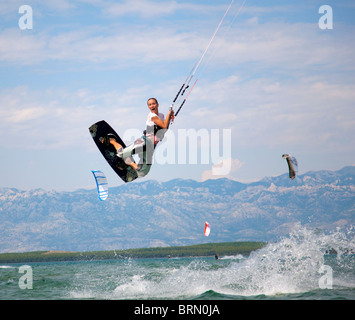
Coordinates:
<point>101,184</point>
<point>292,165</point>
<point>207,229</point>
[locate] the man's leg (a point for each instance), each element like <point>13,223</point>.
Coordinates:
<point>121,153</point>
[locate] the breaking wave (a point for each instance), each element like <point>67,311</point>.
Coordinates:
<point>293,266</point>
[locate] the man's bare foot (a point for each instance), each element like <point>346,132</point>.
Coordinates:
<point>115,144</point>
<point>134,165</point>
<point>109,140</point>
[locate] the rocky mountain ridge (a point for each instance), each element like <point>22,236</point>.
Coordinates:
<point>171,213</point>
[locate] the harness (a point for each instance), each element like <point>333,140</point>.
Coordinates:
<point>155,133</point>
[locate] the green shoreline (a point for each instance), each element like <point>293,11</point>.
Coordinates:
<point>209,249</point>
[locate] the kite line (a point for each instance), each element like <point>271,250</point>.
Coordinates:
<point>186,84</point>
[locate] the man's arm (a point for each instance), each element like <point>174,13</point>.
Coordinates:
<point>163,124</point>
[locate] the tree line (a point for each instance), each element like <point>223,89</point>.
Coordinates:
<point>209,249</point>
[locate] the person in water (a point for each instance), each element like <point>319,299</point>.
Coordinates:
<point>157,125</point>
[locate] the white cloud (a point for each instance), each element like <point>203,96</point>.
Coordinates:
<point>226,168</point>
<point>111,8</point>
<point>264,112</point>
<point>274,46</point>
<point>21,49</point>
<point>126,48</point>
<point>310,113</point>
<point>143,8</point>
<point>285,46</point>
<point>25,115</point>
<point>59,118</point>
<point>152,9</point>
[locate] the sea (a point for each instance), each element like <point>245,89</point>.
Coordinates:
<point>297,267</point>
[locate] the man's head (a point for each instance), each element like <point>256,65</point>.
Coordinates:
<point>153,105</point>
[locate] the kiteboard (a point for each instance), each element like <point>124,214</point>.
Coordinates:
<point>98,132</point>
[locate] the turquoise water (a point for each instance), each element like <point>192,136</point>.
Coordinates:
<point>293,268</point>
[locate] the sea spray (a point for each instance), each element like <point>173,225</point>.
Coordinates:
<point>308,264</point>
<point>289,266</point>
<point>295,267</point>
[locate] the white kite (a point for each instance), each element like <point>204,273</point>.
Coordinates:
<point>101,184</point>
<point>207,229</point>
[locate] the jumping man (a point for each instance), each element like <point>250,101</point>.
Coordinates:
<point>144,146</point>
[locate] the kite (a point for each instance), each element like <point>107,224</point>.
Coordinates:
<point>207,229</point>
<point>101,183</point>
<point>292,165</point>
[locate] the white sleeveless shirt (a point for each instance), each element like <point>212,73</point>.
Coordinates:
<point>150,122</point>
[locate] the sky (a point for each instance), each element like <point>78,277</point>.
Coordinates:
<point>278,78</point>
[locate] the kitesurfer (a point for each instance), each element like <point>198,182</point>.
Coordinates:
<point>157,125</point>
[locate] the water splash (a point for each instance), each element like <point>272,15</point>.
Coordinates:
<point>289,266</point>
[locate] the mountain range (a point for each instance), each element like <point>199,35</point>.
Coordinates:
<point>173,213</point>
